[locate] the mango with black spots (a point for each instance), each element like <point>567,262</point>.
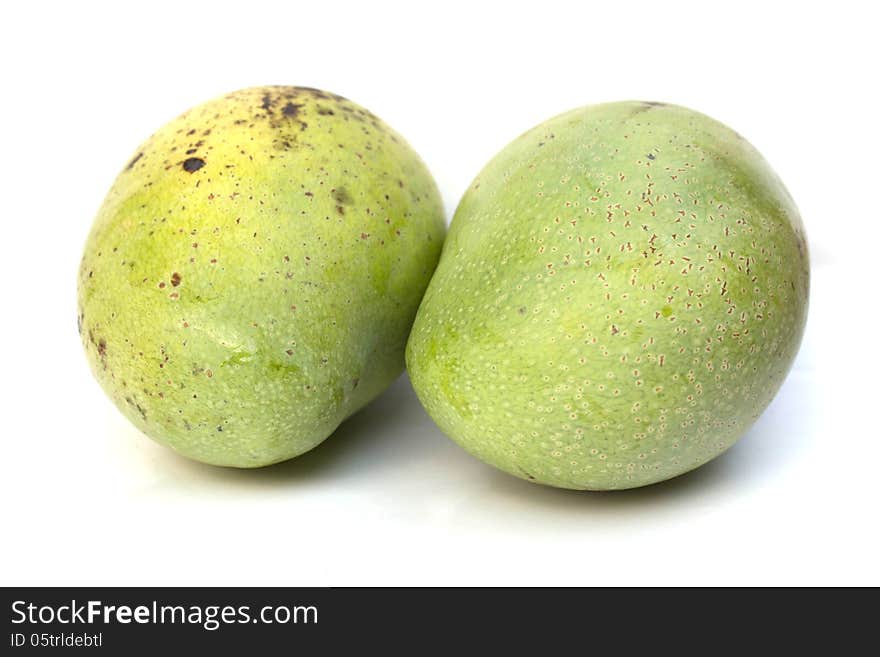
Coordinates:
<point>253,273</point>
<point>622,291</point>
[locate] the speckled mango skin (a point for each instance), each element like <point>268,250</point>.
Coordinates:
<point>621,294</point>
<point>252,276</point>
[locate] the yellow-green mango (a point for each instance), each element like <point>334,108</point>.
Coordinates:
<point>252,276</point>
<point>622,292</point>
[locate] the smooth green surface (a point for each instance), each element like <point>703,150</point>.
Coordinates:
<point>253,273</point>
<point>621,293</point>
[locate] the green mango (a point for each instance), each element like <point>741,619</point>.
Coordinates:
<point>252,275</point>
<point>622,291</point>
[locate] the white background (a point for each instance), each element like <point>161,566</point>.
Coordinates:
<point>86,499</point>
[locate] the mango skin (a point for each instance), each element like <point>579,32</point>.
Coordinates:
<point>622,291</point>
<point>252,276</point>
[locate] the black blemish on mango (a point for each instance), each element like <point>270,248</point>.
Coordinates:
<point>323,95</point>
<point>291,109</point>
<point>315,92</point>
<point>134,161</point>
<point>526,473</point>
<point>341,196</point>
<point>193,164</point>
